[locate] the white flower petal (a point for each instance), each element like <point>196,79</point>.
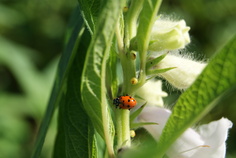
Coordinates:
<point>184,74</point>
<point>182,147</point>
<point>214,135</point>
<point>207,142</point>
<point>154,114</point>
<point>215,129</point>
<point>152,93</point>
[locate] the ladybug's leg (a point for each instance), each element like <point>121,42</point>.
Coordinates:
<point>129,107</point>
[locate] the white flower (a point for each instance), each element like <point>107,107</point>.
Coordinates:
<point>208,141</point>
<point>184,74</point>
<point>169,35</point>
<point>152,93</point>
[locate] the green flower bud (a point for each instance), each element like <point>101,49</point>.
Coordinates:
<point>169,35</point>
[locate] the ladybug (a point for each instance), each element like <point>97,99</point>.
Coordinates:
<point>125,102</point>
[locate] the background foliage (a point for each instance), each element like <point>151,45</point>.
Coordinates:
<point>32,35</point>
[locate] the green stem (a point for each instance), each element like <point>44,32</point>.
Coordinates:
<point>123,128</point>
<point>122,115</point>
<point>119,128</point>
<point>126,127</point>
<point>128,67</point>
<point>129,71</point>
<point>131,19</point>
<point>120,43</point>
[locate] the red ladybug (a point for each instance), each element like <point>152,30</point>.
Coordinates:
<point>125,102</point>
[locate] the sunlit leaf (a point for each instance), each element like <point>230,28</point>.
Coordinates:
<point>90,10</point>
<point>147,18</point>
<point>94,94</point>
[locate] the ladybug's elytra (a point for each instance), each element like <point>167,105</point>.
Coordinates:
<point>125,102</point>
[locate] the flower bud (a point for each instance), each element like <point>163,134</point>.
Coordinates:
<point>134,81</point>
<point>132,134</point>
<point>184,74</point>
<point>169,35</point>
<point>152,93</point>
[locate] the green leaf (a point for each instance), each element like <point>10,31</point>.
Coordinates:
<point>147,18</point>
<point>155,61</point>
<point>75,133</point>
<point>131,19</point>
<point>137,112</point>
<point>216,81</point>
<point>158,71</point>
<point>112,68</point>
<point>60,141</point>
<point>59,85</point>
<point>94,94</point>
<point>90,10</point>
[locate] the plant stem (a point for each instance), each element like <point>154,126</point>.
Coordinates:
<point>122,115</point>
<point>123,128</point>
<point>132,17</point>
<point>120,43</point>
<point>129,70</point>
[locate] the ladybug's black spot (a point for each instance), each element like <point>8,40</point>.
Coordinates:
<point>128,100</point>
<point>130,97</point>
<point>128,106</point>
<point>123,101</point>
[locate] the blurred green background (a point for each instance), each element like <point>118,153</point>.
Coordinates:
<point>32,36</point>
<point>31,41</point>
